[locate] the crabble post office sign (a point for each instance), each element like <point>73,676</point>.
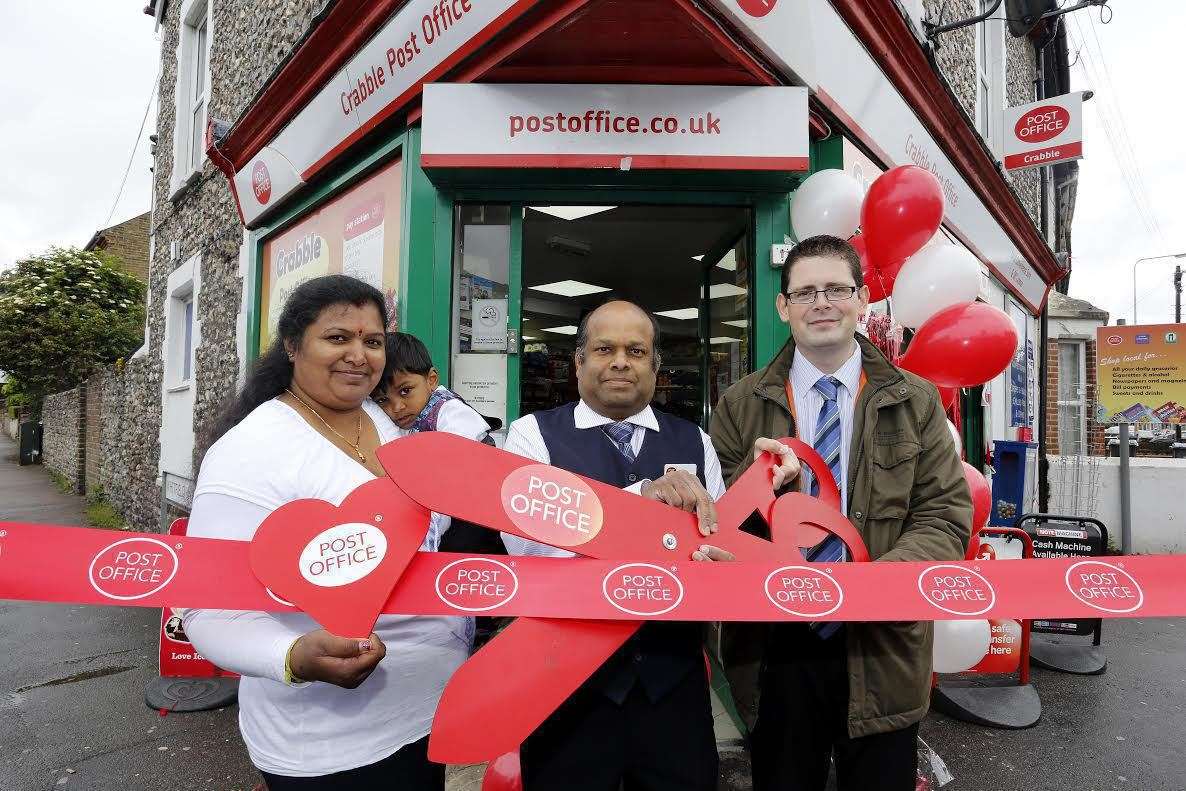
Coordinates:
<point>1044,133</point>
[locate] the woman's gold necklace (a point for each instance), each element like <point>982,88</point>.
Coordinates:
<point>355,445</point>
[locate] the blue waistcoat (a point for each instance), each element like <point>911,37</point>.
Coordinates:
<point>660,654</point>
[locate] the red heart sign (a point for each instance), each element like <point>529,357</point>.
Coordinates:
<point>340,563</point>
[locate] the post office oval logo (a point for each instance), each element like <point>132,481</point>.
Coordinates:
<point>1115,340</point>
<point>958,590</point>
<point>476,584</point>
<point>133,568</point>
<point>642,589</point>
<point>261,183</point>
<point>342,554</point>
<point>1104,586</point>
<point>804,591</point>
<point>1042,123</point>
<point>553,506</point>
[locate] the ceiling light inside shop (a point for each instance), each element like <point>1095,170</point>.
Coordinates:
<point>723,339</point>
<point>729,261</point>
<point>571,212</point>
<point>740,323</point>
<point>683,313</point>
<point>719,290</point>
<point>567,329</point>
<point>698,257</point>
<point>569,288</point>
<point>530,338</point>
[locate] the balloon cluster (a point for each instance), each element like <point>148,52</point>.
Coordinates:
<point>932,286</point>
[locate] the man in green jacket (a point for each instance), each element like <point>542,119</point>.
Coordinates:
<point>853,691</point>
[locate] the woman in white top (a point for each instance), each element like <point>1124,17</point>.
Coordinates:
<point>319,710</point>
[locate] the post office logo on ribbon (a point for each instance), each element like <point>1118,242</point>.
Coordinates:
<point>476,584</point>
<point>804,591</point>
<point>1104,586</point>
<point>342,554</point>
<point>133,568</point>
<point>551,505</point>
<point>642,589</point>
<point>956,589</point>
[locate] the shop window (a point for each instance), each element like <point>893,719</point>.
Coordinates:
<point>1072,398</point>
<point>356,233</point>
<point>192,92</point>
<point>180,327</point>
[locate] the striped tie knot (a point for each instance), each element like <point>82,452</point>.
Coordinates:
<point>828,387</point>
<point>621,433</point>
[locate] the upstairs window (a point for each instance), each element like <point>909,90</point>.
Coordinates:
<point>192,92</point>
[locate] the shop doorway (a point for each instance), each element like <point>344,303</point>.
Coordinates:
<point>525,276</point>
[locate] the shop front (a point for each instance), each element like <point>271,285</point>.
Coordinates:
<point>500,168</point>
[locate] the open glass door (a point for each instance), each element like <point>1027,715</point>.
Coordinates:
<point>687,264</point>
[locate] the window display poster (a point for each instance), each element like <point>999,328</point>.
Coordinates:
<point>356,233</point>
<point>1019,374</point>
<point>488,325</point>
<point>481,379</point>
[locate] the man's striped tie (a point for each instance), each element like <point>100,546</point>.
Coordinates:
<point>620,434</point>
<point>827,444</point>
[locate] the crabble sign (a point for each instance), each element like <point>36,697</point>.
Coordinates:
<point>642,589</point>
<point>1044,133</point>
<point>956,590</point>
<point>343,554</point>
<point>551,505</point>
<point>133,568</point>
<point>476,584</point>
<point>804,591</point>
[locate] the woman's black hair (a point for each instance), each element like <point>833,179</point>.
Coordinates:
<point>272,372</point>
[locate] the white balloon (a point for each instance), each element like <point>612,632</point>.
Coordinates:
<point>934,278</point>
<point>828,202</point>
<point>960,645</point>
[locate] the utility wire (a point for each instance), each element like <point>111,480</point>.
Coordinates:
<point>135,147</point>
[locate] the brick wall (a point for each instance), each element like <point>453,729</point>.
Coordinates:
<point>63,441</point>
<point>128,242</point>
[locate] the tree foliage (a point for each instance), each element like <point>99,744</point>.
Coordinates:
<point>63,315</point>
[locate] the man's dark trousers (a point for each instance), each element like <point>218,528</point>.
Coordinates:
<point>803,722</point>
<point>643,722</point>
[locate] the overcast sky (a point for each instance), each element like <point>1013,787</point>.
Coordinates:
<point>77,75</point>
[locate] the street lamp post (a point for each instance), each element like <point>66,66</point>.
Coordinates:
<point>1134,278</point>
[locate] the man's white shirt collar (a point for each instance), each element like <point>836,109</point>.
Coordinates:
<point>804,373</point>
<point>584,417</point>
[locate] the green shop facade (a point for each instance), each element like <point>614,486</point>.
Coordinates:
<point>499,168</point>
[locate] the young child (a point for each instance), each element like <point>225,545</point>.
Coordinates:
<point>411,395</point>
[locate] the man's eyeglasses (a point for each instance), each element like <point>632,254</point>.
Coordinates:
<point>806,296</point>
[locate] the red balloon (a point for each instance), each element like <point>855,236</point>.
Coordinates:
<point>950,397</point>
<point>503,774</point>
<point>962,346</point>
<point>901,212</point>
<point>879,286</point>
<point>981,495</point>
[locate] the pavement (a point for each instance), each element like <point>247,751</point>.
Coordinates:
<point>72,712</point>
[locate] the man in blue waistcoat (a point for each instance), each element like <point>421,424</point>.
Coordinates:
<point>644,719</point>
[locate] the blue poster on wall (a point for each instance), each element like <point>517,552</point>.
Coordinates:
<point>1018,374</point>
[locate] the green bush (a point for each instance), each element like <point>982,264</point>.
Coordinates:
<point>63,315</point>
